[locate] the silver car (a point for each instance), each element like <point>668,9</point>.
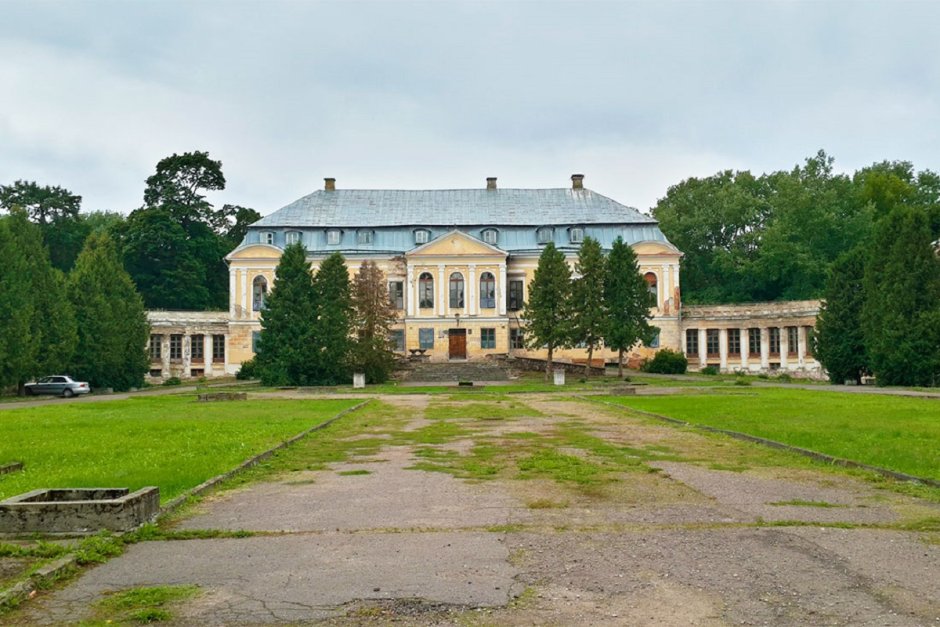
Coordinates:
<point>59,384</point>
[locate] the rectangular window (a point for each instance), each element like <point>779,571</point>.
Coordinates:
<point>176,347</point>
<point>426,338</point>
<point>809,341</point>
<point>516,338</point>
<point>487,338</point>
<point>197,372</point>
<point>156,347</point>
<point>515,295</point>
<point>576,235</point>
<point>397,339</point>
<point>774,340</point>
<point>712,341</point>
<point>753,341</point>
<point>364,237</point>
<point>292,237</point>
<point>255,336</point>
<point>396,294</point>
<point>197,347</point>
<point>267,237</point>
<point>156,372</point>
<point>691,342</point>
<point>421,236</point>
<point>491,236</point>
<point>544,235</point>
<point>734,341</point>
<point>218,348</point>
<point>793,340</point>
<point>333,237</point>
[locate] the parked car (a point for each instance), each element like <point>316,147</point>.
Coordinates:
<point>58,384</point>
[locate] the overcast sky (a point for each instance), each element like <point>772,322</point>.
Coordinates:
<point>423,95</point>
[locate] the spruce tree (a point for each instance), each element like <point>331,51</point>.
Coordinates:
<point>53,326</point>
<point>17,343</point>
<point>547,313</point>
<point>373,316</point>
<point>285,353</point>
<point>588,307</point>
<point>110,317</point>
<point>840,340</point>
<point>902,298</point>
<point>628,302</point>
<point>333,321</point>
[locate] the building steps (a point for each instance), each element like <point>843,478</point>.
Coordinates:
<point>458,371</point>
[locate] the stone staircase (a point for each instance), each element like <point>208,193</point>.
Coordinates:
<point>451,372</point>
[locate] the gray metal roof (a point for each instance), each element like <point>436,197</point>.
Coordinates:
<point>452,207</point>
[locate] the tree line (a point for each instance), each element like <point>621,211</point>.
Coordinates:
<point>608,301</point>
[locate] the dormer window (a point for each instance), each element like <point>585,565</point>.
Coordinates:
<point>365,237</point>
<point>422,236</point>
<point>267,237</point>
<point>333,237</point>
<point>490,236</point>
<point>544,235</point>
<point>576,235</point>
<point>292,237</point>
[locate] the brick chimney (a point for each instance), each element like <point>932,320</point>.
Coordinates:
<point>329,184</point>
<point>491,182</point>
<point>577,181</point>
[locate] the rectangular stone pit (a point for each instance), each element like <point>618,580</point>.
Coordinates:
<point>79,510</point>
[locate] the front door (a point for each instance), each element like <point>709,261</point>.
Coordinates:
<point>458,344</point>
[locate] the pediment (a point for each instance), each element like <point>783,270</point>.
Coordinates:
<point>255,251</point>
<point>456,243</point>
<point>651,247</point>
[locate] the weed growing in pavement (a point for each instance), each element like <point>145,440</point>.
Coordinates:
<point>143,605</point>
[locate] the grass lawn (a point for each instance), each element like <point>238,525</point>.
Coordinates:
<point>168,441</point>
<point>902,434</point>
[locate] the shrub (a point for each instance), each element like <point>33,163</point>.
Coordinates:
<point>172,381</point>
<point>741,381</point>
<point>709,370</point>
<point>667,362</point>
<point>247,371</point>
<point>786,378</point>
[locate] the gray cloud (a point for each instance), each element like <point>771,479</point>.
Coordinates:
<point>637,96</point>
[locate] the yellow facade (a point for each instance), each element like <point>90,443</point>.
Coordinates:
<point>453,256</point>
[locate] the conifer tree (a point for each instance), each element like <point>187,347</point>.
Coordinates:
<point>52,325</point>
<point>110,317</point>
<point>902,298</point>
<point>333,321</point>
<point>286,352</point>
<point>588,306</point>
<point>840,340</point>
<point>628,302</point>
<point>373,316</point>
<point>17,343</point>
<point>547,313</point>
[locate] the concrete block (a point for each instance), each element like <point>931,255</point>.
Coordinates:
<point>79,510</point>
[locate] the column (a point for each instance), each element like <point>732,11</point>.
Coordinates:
<point>723,348</point>
<point>207,352</point>
<point>501,286</point>
<point>226,349</point>
<point>410,291</point>
<point>675,285</point>
<point>442,295</point>
<point>165,354</point>
<point>187,354</point>
<point>245,310</point>
<point>664,288</point>
<point>784,347</point>
<point>472,304</point>
<point>764,348</point>
<point>745,347</point>
<point>702,347</point>
<point>801,347</point>
<point>231,293</point>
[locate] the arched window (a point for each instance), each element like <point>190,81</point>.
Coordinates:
<point>426,291</point>
<point>652,287</point>
<point>487,290</point>
<point>456,290</point>
<point>259,292</point>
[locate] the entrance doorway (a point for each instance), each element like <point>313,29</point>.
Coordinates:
<point>457,348</point>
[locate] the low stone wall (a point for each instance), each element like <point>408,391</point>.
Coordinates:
<point>79,510</point>
<point>534,364</point>
<point>11,467</point>
<point>223,396</point>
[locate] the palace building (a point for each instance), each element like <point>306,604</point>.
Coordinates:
<point>458,264</point>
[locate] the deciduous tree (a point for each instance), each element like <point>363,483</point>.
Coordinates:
<point>547,313</point>
<point>373,316</point>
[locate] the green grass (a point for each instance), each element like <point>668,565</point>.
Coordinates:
<point>898,433</point>
<point>168,441</point>
<point>802,503</point>
<point>143,605</point>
